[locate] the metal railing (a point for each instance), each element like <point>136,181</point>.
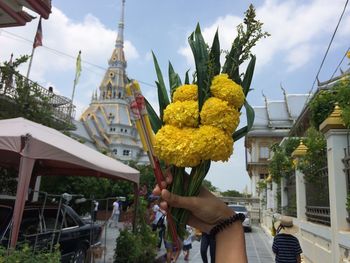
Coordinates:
<point>62,108</point>
<point>318,214</point>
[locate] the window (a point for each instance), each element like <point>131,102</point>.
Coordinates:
<point>264,152</point>
<point>30,222</point>
<point>125,130</point>
<point>115,151</point>
<point>126,152</point>
<point>263,176</point>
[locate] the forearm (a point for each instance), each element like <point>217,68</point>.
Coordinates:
<point>230,244</point>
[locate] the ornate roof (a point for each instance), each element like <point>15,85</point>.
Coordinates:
<point>107,120</point>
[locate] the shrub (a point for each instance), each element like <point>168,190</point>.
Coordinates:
<point>143,241</point>
<point>26,255</point>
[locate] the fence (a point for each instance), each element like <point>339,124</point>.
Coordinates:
<point>61,107</point>
<point>317,199</point>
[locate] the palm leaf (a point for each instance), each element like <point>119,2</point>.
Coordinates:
<point>156,122</point>
<point>250,120</point>
<point>174,80</point>
<point>163,98</point>
<point>247,80</point>
<point>214,55</point>
<point>200,54</point>
<point>187,78</point>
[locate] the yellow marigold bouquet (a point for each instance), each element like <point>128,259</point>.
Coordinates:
<point>198,124</point>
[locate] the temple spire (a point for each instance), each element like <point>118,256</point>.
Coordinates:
<point>120,38</point>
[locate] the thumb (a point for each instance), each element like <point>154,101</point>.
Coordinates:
<point>176,200</point>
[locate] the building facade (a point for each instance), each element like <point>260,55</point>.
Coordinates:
<point>106,124</point>
<point>272,123</point>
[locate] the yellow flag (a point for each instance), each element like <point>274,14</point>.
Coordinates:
<point>78,68</point>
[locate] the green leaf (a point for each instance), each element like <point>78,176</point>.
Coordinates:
<point>214,55</point>
<point>231,65</point>
<point>248,76</point>
<point>250,120</point>
<point>156,122</point>
<point>174,80</point>
<point>187,78</point>
<point>161,85</point>
<point>161,100</point>
<point>200,54</point>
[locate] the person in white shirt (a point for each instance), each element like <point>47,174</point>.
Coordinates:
<point>115,213</point>
<point>95,210</point>
<point>187,243</point>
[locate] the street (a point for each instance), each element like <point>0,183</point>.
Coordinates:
<point>258,248</point>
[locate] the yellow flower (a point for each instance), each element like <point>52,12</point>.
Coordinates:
<point>182,114</point>
<point>173,145</point>
<point>213,143</point>
<point>348,54</point>
<point>218,113</point>
<point>226,89</point>
<point>186,92</point>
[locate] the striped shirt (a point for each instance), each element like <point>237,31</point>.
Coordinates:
<point>286,247</point>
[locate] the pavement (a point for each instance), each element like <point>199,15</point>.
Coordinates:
<point>258,245</point>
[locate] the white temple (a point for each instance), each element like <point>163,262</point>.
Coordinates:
<point>106,124</point>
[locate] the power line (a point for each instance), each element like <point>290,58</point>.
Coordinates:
<point>60,53</point>
<point>329,45</point>
<point>341,61</point>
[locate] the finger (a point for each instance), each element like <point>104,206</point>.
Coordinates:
<point>163,184</point>
<point>176,200</point>
<point>168,176</point>
<point>156,190</point>
<point>163,205</point>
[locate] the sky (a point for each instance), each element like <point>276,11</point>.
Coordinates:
<point>300,33</point>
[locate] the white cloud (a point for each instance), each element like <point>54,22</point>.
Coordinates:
<point>296,29</point>
<point>67,36</point>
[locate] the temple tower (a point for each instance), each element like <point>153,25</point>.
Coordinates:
<point>106,124</point>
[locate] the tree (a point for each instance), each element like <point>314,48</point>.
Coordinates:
<point>23,98</point>
<point>231,193</point>
<point>207,184</point>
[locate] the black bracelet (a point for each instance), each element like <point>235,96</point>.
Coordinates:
<point>226,222</point>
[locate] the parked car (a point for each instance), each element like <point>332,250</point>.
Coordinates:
<point>42,226</point>
<point>241,209</point>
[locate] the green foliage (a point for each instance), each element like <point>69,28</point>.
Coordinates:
<point>261,186</point>
<point>139,245</point>
<point>8,179</point>
<point>281,164</point>
<point>26,255</point>
<point>316,156</point>
<point>323,104</point>
<point>348,202</point>
<point>27,101</point>
<point>231,193</point>
<point>248,34</point>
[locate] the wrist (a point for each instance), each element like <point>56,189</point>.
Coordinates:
<point>227,222</point>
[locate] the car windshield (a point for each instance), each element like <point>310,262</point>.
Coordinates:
<point>238,208</point>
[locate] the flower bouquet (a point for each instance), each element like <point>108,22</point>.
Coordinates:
<point>198,123</point>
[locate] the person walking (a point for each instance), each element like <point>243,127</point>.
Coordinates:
<point>95,210</point>
<point>285,245</point>
<point>115,213</point>
<point>207,241</point>
<point>187,243</point>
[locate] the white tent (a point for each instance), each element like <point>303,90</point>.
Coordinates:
<point>38,150</point>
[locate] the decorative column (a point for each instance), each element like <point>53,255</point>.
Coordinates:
<point>299,182</point>
<point>336,135</point>
<point>284,194</point>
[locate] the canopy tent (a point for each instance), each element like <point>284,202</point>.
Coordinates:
<point>38,150</point>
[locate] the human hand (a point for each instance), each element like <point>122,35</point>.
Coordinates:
<point>206,209</point>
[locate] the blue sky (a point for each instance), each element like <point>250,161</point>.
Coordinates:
<point>300,32</point>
